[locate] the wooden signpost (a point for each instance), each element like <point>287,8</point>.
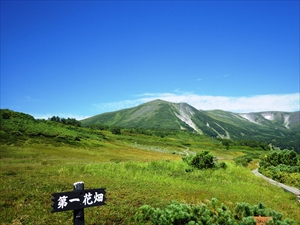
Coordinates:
<point>77,200</point>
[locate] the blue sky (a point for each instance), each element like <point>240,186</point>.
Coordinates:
<point>82,58</point>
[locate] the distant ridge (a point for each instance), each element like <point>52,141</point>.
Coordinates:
<point>159,114</point>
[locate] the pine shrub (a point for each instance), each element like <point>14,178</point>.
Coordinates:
<point>211,213</point>
<point>203,160</point>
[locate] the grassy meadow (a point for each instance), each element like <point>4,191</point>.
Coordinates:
<point>135,169</point>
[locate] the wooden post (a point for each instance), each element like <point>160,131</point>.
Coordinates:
<point>77,200</point>
<point>78,213</point>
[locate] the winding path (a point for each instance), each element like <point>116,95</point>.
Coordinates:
<point>293,190</point>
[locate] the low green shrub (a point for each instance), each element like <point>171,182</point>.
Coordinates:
<point>275,158</point>
<point>282,166</point>
<point>203,160</point>
<point>223,165</point>
<point>243,160</point>
<point>284,174</point>
<point>211,213</point>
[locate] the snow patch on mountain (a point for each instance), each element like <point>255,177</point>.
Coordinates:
<point>286,121</point>
<point>185,115</point>
<point>227,134</point>
<point>283,118</point>
<point>220,135</point>
<point>268,116</point>
<point>249,117</point>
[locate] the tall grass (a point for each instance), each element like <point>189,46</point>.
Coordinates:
<point>27,184</point>
<point>135,170</point>
<point>40,158</point>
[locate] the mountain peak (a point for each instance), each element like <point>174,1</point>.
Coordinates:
<point>160,114</point>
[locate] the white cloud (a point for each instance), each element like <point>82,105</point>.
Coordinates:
<point>30,99</point>
<point>242,104</point>
<point>113,106</point>
<point>61,115</point>
<point>257,103</point>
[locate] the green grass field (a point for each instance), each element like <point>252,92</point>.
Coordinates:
<point>135,169</point>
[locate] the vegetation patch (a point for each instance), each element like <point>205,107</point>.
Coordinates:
<point>136,167</point>
<point>203,160</point>
<point>282,166</point>
<point>210,213</point>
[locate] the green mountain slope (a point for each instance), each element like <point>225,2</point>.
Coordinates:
<point>278,128</point>
<point>156,115</point>
<point>275,119</point>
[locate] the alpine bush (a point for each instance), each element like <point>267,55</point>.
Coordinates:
<point>243,160</point>
<point>211,213</point>
<point>275,158</point>
<point>282,166</point>
<point>203,160</point>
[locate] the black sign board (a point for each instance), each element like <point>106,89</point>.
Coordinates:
<point>77,200</point>
<point>74,200</point>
